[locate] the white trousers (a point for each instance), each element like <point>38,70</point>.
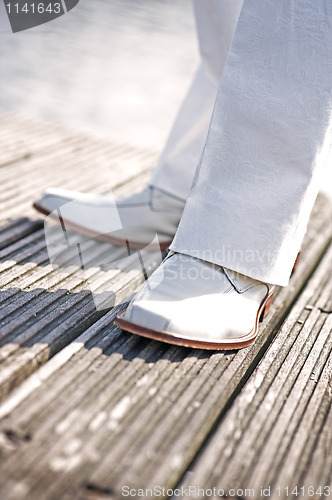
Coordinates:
<point>215,21</point>
<point>261,159</point>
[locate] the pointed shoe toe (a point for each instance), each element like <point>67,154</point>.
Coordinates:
<point>194,303</point>
<point>134,221</point>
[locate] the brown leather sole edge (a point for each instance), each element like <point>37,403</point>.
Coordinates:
<point>224,345</point>
<point>101,237</point>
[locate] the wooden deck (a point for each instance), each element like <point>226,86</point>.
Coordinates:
<point>88,411</point>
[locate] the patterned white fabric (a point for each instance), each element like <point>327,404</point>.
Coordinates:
<point>216,21</point>
<point>268,142</point>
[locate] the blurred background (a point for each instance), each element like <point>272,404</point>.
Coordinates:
<point>115,68</point>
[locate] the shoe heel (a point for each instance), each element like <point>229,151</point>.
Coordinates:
<point>296,263</point>
<point>266,307</point>
<point>270,298</point>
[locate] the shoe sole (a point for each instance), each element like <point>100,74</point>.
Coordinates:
<point>223,345</point>
<point>101,237</point>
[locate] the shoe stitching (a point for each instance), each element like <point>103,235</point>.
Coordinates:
<point>242,291</point>
<point>247,287</point>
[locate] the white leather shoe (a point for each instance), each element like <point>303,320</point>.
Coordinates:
<point>193,303</point>
<point>132,221</point>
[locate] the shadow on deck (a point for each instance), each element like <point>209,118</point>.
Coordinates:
<point>89,411</point>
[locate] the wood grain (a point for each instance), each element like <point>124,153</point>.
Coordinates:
<point>88,408</point>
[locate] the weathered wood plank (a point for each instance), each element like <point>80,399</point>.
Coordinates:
<point>318,471</point>
<point>268,437</point>
<point>22,140</point>
<point>87,169</point>
<point>116,409</point>
<point>17,229</point>
<point>21,137</point>
<point>35,156</point>
<point>42,308</point>
<point>49,307</point>
<point>110,408</point>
